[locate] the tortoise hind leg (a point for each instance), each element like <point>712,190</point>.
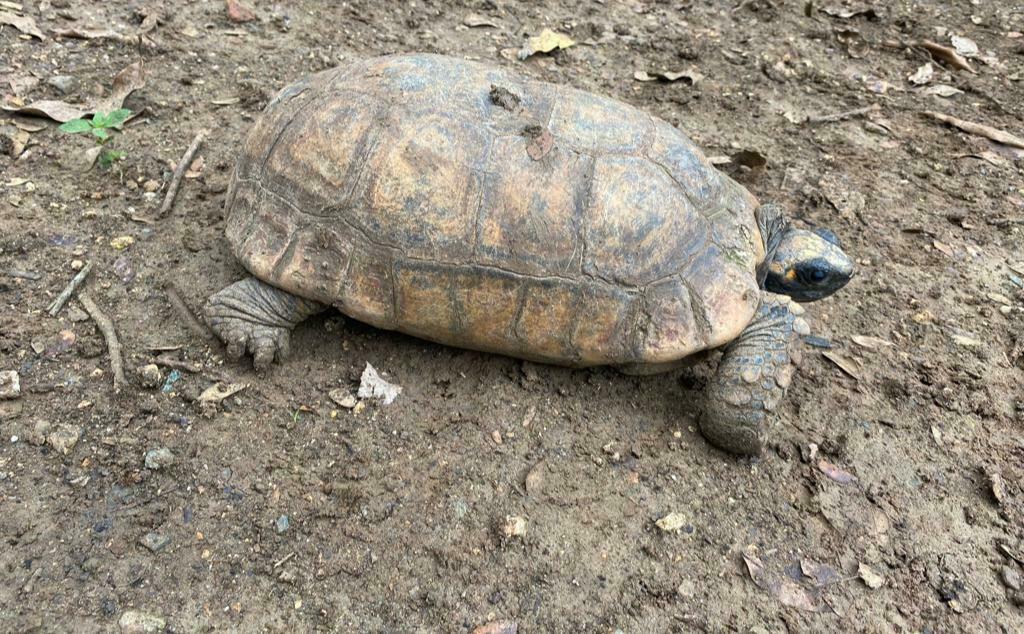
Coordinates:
<point>253,316</point>
<point>753,376</point>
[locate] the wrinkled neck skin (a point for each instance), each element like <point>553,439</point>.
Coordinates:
<point>773,226</point>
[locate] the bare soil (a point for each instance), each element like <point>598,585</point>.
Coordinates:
<point>396,514</point>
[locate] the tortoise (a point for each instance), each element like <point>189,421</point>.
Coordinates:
<point>477,208</point>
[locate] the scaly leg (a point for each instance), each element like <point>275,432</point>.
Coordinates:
<point>253,316</point>
<point>753,376</point>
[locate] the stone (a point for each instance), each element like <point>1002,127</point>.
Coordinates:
<point>155,542</point>
<point>1011,578</point>
<point>159,458</point>
<point>64,438</point>
<point>134,622</point>
<point>10,384</point>
<point>282,524</point>
<point>343,398</point>
<point>63,83</point>
<point>150,375</point>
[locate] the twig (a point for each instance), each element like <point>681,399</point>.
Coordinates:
<point>976,128</point>
<point>948,55</point>
<point>179,305</point>
<point>839,116</point>
<point>284,560</point>
<point>68,291</point>
<point>107,328</point>
<point>177,364</point>
<point>179,174</point>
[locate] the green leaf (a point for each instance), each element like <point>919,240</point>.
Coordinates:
<point>76,126</point>
<point>99,120</point>
<point>117,117</point>
<point>100,133</point>
<point>108,157</point>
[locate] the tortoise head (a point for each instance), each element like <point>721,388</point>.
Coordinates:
<point>806,265</point>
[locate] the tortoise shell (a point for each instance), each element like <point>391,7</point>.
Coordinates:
<point>477,208</point>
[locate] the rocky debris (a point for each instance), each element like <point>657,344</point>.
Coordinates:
<point>513,526</point>
<point>1010,578</point>
<point>10,384</point>
<point>497,627</point>
<point>343,398</point>
<point>155,542</point>
<point>671,522</point>
<point>150,375</point>
<point>282,524</point>
<point>64,84</point>
<point>371,385</point>
<point>64,438</point>
<point>134,622</point>
<point>159,458</point>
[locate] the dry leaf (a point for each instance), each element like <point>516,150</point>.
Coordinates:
<point>835,473</point>
<point>546,42</point>
<point>871,578</point>
<point>84,160</point>
<point>871,343</point>
<point>948,55</point>
<point>942,90</point>
<point>976,128</point>
<point>130,79</point>
<point>786,590</point>
<point>965,46</point>
<point>213,395</point>
<point>943,248</point>
<point>474,20</point>
<point>822,574</point>
<point>23,23</point>
<point>922,75</point>
<point>792,594</point>
<point>844,364</point>
<point>56,110</point>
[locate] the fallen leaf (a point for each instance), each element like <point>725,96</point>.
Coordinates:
<point>988,132</point>
<point>546,42</point>
<point>238,12</point>
<point>84,160</point>
<point>999,298</point>
<point>755,567</point>
<point>371,385</point>
<point>130,79</point>
<point>835,473</point>
<point>965,46</point>
<point>844,364</point>
<point>122,242</point>
<point>671,522</point>
<point>213,395</point>
<point>948,55</point>
<point>792,594</point>
<point>822,574</point>
<point>871,578</point>
<point>787,591</point>
<point>56,110</point>
<point>497,627</point>
<point>922,75</point>
<point>871,343</point>
<point>23,84</point>
<point>942,90</point>
<point>514,526</point>
<point>942,247</point>
<point>689,76</point>
<point>474,20</point>
<point>23,23</point>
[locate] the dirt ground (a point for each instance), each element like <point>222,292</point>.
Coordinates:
<point>284,511</point>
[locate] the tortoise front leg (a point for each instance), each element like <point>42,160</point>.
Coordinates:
<point>753,376</point>
<point>253,316</point>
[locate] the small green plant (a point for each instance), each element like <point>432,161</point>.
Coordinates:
<point>99,127</point>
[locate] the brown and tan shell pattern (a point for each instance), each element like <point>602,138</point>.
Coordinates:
<point>548,223</point>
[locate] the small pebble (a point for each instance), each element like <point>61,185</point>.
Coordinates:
<point>10,384</point>
<point>63,83</point>
<point>155,542</point>
<point>160,458</point>
<point>343,398</point>
<point>150,375</point>
<point>64,438</point>
<point>514,526</point>
<point>151,185</point>
<point>282,524</point>
<point>1011,578</point>
<point>134,622</point>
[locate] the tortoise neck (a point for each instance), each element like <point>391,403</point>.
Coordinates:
<point>773,227</point>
